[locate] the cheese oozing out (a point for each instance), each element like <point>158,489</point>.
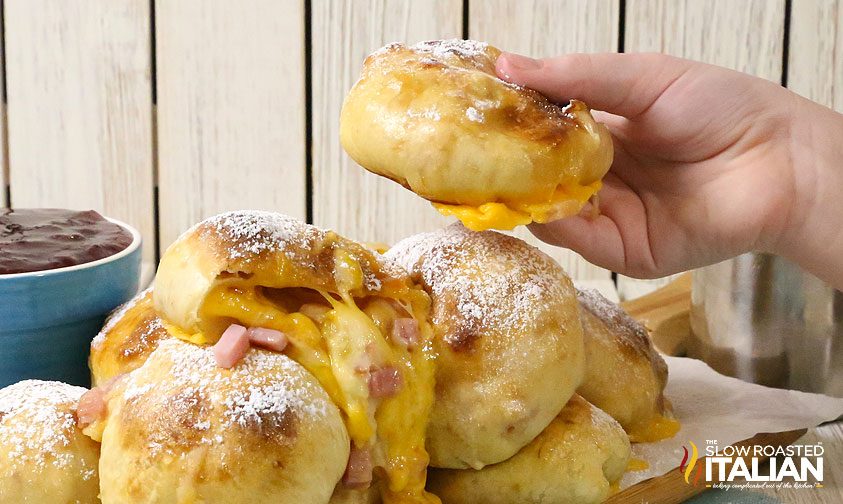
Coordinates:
<point>341,339</point>
<point>658,428</point>
<point>566,200</point>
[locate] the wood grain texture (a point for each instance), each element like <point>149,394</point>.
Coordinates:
<point>231,109</point>
<point>746,35</point>
<point>831,437</point>
<point>665,313</point>
<point>671,488</point>
<point>815,70</point>
<point>4,166</point>
<point>79,107</point>
<point>544,28</point>
<point>347,198</point>
<point>815,58</point>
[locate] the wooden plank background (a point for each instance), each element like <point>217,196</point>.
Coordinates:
<point>747,35</point>
<point>164,112</point>
<point>80,107</point>
<point>231,109</point>
<point>4,165</point>
<point>815,59</point>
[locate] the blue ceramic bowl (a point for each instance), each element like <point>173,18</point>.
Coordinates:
<point>48,318</point>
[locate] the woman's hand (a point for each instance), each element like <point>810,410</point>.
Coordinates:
<point>709,163</point>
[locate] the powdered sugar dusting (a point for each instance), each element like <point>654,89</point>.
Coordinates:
<point>619,323</point>
<point>494,281</point>
<point>602,420</point>
<point>263,387</point>
<point>392,46</point>
<point>474,115</point>
<point>625,330</point>
<point>438,49</point>
<point>390,266</point>
<point>249,233</point>
<point>146,336</point>
<point>457,47</point>
<point>244,235</point>
<point>429,113</point>
<point>38,421</point>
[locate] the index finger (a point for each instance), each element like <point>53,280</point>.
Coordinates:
<point>623,84</point>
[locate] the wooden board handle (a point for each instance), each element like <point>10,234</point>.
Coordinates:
<point>666,314</point>
<point>671,487</point>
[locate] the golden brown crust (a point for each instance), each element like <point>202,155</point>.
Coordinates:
<point>508,338</point>
<point>180,425</point>
<point>44,456</point>
<point>130,334</point>
<point>274,246</point>
<point>631,337</point>
<point>439,121</point>
<point>335,301</point>
<point>575,460</point>
<point>522,111</point>
<point>625,375</point>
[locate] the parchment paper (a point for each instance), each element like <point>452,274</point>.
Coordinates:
<point>712,406</point>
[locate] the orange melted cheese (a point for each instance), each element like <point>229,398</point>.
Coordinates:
<point>614,487</point>
<point>635,464</point>
<point>337,349</point>
<point>658,428</point>
<point>566,200</point>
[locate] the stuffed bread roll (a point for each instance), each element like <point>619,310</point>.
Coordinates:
<point>508,336</point>
<point>44,456</point>
<point>625,376</point>
<point>183,429</point>
<point>352,319</point>
<point>577,459</point>
<point>129,335</point>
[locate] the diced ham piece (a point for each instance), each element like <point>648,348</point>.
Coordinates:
<point>384,382</point>
<point>232,346</point>
<point>405,332</point>
<point>269,339</point>
<point>91,407</point>
<point>358,472</point>
<point>111,382</point>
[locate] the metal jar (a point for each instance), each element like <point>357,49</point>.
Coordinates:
<point>762,319</point>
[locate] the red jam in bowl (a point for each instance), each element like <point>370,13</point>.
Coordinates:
<point>47,238</point>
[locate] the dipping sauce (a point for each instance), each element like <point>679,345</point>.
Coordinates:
<point>47,238</point>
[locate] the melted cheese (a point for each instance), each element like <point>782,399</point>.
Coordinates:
<point>636,464</point>
<point>339,350</point>
<point>658,428</point>
<point>614,487</point>
<point>566,200</point>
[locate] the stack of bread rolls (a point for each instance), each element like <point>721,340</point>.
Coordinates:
<point>469,353</point>
<point>274,361</point>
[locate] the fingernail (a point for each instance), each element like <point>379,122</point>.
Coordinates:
<point>518,62</point>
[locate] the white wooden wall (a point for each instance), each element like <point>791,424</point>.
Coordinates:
<point>231,109</point>
<point>163,112</point>
<point>747,35</point>
<point>4,165</point>
<point>79,118</point>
